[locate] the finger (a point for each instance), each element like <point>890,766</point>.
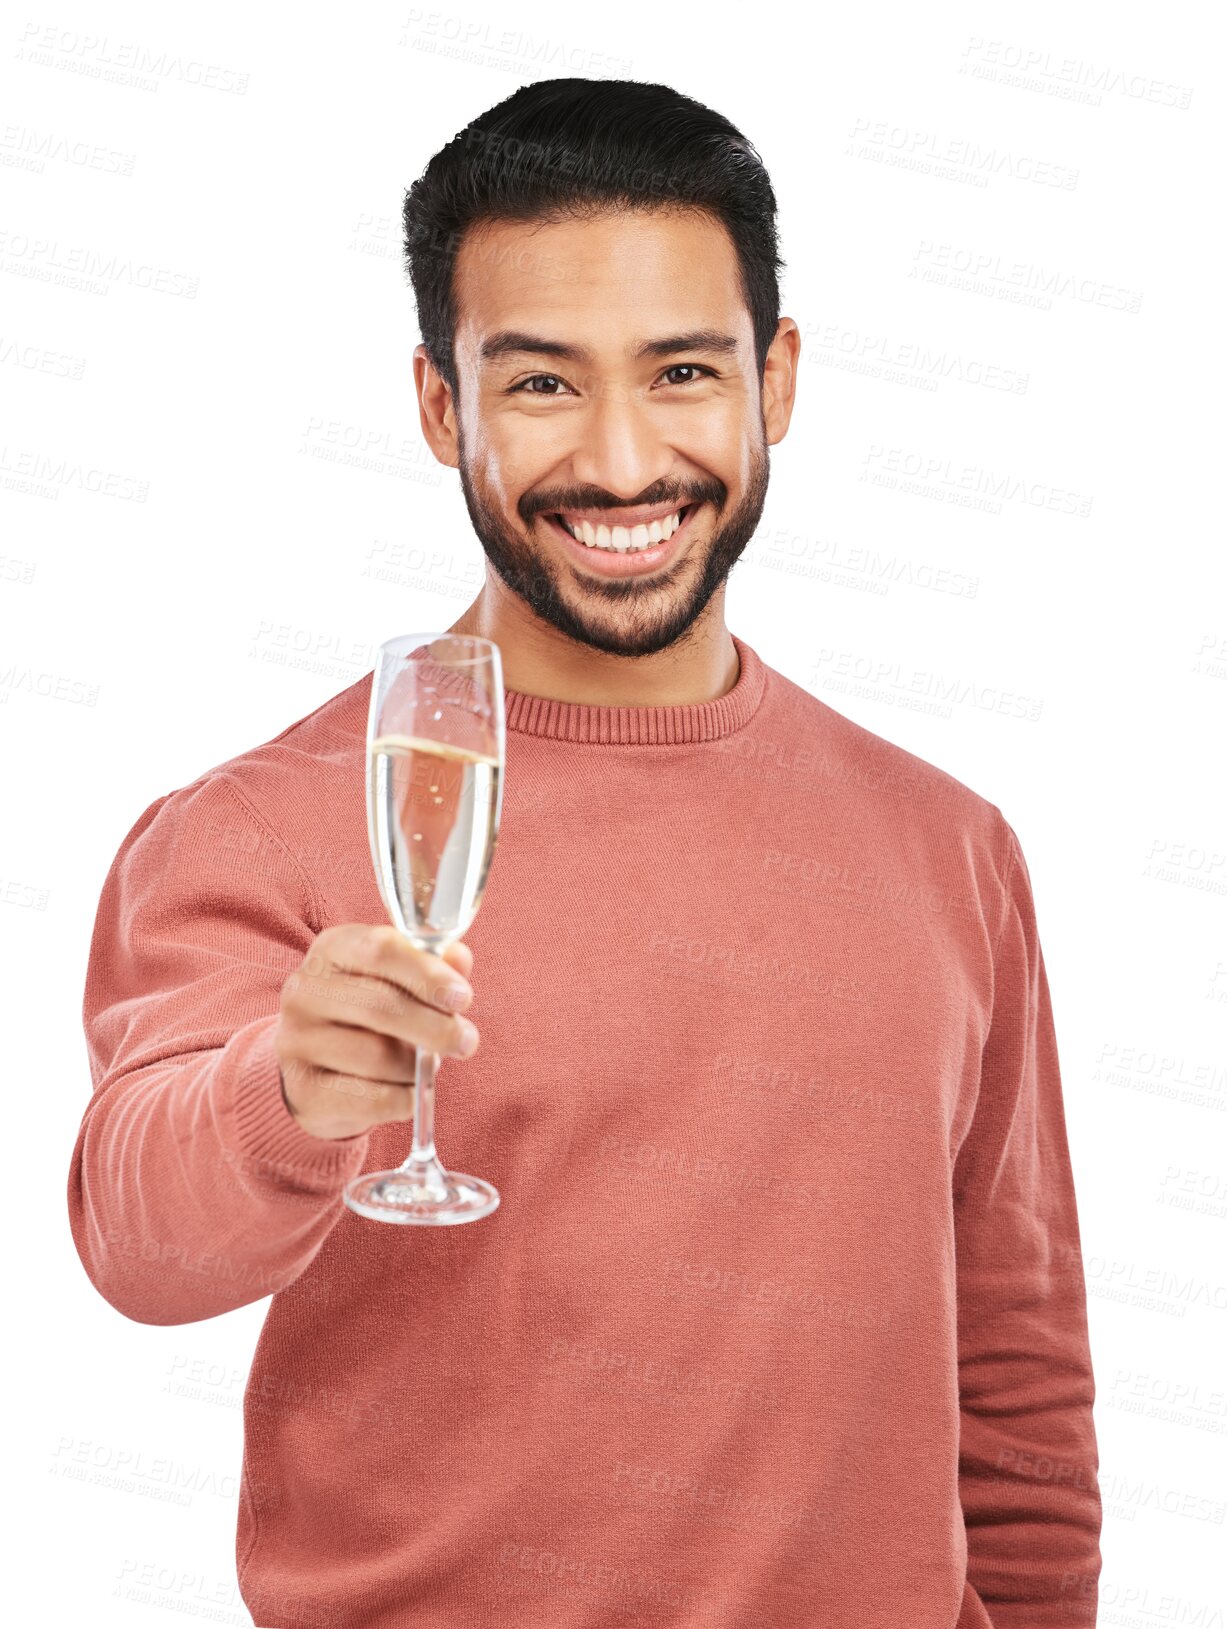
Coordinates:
<point>357,1004</point>
<point>383,952</point>
<point>386,1010</point>
<point>377,1058</point>
<point>460,956</point>
<point>353,999</point>
<point>378,1100</point>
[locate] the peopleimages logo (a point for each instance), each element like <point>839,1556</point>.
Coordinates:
<point>899,361</point>
<point>1021,282</point>
<point>952,157</point>
<point>124,62</point>
<point>933,474</point>
<point>1069,78</point>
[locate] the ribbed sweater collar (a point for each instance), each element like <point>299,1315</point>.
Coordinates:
<point>599,725</point>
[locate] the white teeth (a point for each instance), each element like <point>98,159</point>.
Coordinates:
<point>623,539</point>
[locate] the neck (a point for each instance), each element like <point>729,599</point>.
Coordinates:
<point>540,661</point>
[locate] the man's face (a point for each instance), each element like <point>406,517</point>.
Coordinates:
<point>605,368</point>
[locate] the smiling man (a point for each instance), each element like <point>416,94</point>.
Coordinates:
<point>614,493</point>
<point>782,1318</point>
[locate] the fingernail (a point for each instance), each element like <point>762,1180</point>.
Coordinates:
<point>459,995</point>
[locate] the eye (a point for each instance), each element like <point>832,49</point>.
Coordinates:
<point>550,379</point>
<point>694,367</point>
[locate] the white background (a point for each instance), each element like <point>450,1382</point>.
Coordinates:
<point>193,557</point>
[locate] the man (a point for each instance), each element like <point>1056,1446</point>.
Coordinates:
<point>781,1319</point>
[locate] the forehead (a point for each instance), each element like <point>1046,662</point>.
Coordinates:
<point>604,282</point>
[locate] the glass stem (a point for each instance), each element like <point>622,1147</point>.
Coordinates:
<point>423,1161</point>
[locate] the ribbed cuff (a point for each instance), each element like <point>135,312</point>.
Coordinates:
<point>265,1133</point>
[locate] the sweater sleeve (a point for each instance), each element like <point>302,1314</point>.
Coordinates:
<point>192,1188</point>
<point>1028,1459</point>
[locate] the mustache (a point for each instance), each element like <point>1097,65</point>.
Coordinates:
<point>549,503</point>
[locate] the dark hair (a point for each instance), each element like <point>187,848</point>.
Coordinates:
<point>566,148</point>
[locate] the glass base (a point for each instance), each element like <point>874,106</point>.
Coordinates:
<point>402,1196</point>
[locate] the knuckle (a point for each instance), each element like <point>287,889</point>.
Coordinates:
<point>320,953</point>
<point>377,944</point>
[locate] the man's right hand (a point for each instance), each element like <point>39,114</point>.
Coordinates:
<point>352,1017</point>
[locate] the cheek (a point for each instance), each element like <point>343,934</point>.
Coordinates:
<point>707,432</point>
<point>501,471</point>
<point>526,455</point>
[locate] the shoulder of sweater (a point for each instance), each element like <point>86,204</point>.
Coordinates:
<point>327,735</point>
<point>322,751</point>
<point>855,753</point>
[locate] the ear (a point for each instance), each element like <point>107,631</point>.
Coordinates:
<point>780,379</point>
<point>436,409</point>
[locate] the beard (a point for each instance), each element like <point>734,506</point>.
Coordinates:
<point>626,616</point>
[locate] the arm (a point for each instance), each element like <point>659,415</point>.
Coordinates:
<point>1028,1460</point>
<point>192,1189</point>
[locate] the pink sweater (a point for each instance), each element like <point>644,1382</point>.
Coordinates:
<point>782,1318</point>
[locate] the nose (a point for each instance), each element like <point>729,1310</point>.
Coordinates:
<point>620,448</point>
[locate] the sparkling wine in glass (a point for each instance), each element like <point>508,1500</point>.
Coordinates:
<point>434,792</point>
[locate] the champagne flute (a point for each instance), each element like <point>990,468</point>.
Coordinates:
<point>434,793</point>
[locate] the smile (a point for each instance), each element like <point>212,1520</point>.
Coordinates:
<point>626,551</point>
<point>622,538</point>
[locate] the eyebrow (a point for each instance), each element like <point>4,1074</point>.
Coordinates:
<point>513,342</point>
